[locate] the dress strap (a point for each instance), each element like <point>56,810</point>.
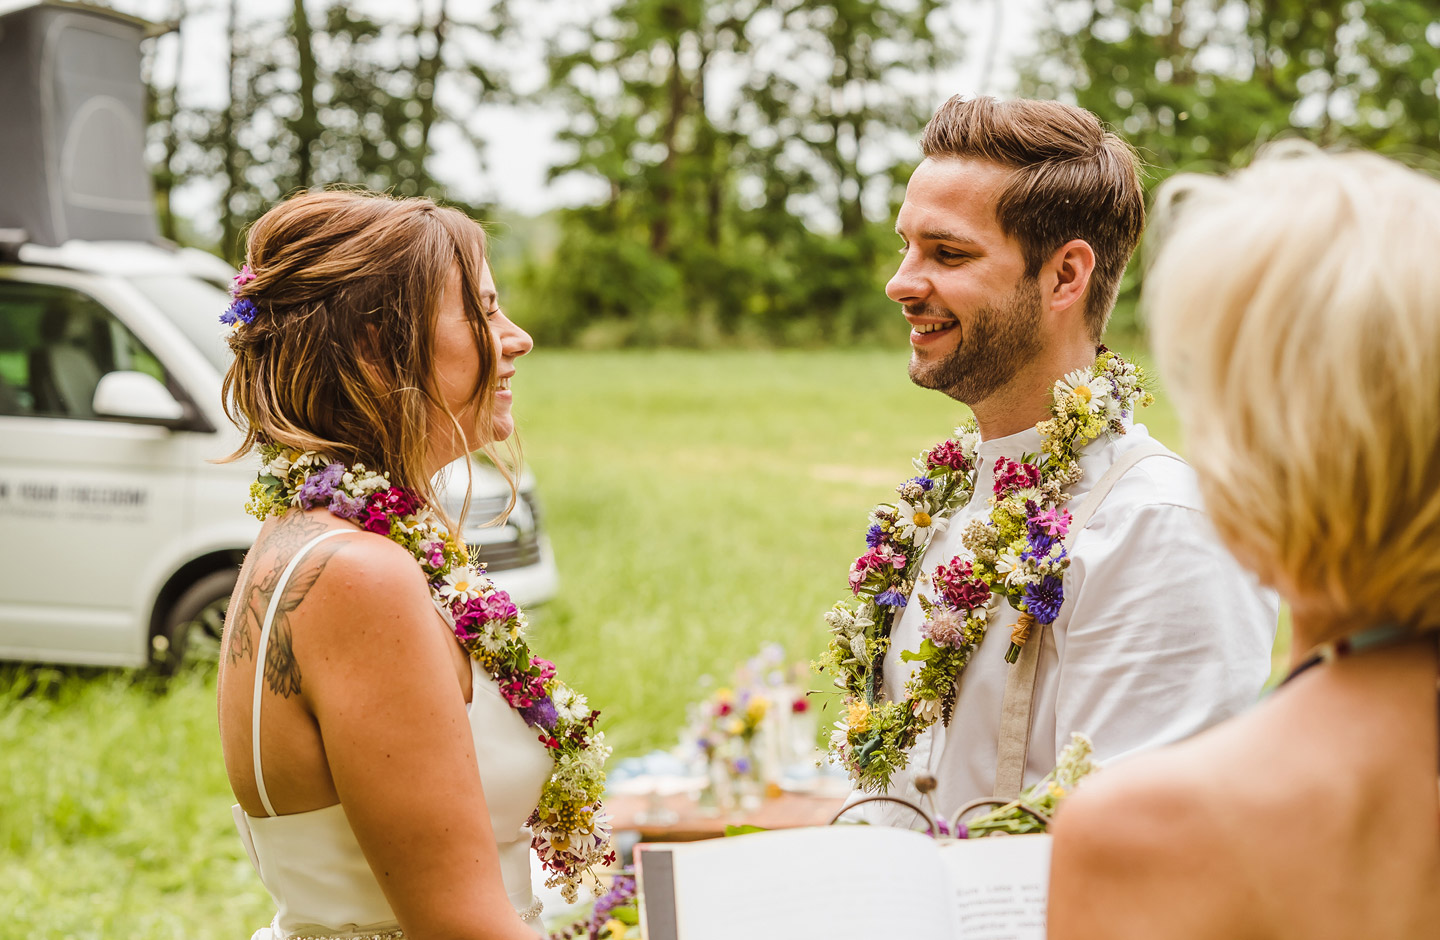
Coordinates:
<point>264,646</point>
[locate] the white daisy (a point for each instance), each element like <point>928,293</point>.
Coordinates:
<point>1084,388</point>
<point>918,525</point>
<point>1010,565</point>
<point>463,583</point>
<point>926,709</point>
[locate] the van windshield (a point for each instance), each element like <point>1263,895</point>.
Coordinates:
<point>192,305</point>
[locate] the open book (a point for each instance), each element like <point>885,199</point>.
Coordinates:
<point>845,883</point>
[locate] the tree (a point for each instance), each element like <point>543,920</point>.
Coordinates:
<point>1200,83</point>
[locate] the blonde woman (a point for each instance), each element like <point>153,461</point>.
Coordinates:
<point>1296,314</point>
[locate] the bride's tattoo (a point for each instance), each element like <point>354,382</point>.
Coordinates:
<point>282,672</point>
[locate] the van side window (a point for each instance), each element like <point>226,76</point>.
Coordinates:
<point>55,344</point>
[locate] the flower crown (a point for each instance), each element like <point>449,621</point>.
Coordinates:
<point>242,310</point>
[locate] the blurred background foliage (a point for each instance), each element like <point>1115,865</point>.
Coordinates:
<point>753,152</point>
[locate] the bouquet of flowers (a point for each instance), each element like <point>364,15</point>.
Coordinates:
<point>750,731</point>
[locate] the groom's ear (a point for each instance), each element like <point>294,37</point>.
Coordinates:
<point>1065,280</point>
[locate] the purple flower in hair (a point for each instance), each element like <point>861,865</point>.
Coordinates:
<point>874,535</point>
<point>241,311</point>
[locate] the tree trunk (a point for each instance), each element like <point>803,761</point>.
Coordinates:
<point>229,224</point>
<point>665,186</point>
<point>307,126</point>
<point>165,177</point>
<point>427,78</point>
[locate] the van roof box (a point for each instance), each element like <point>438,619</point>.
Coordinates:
<point>74,116</point>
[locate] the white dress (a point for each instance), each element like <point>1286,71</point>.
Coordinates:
<point>313,867</point>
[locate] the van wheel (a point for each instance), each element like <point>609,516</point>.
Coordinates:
<point>191,630</point>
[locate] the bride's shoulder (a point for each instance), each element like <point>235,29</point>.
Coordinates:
<point>352,574</point>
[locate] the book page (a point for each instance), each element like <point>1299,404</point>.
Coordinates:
<point>999,886</point>
<point>836,882</point>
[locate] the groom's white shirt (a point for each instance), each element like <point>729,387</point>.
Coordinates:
<point>1161,634</point>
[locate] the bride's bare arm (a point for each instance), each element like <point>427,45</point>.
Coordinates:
<point>380,679</point>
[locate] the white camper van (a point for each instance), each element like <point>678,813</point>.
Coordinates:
<point>119,541</point>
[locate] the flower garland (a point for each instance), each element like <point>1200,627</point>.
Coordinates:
<point>1016,554</point>
<point>571,829</point>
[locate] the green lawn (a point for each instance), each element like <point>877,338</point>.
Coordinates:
<point>700,504</point>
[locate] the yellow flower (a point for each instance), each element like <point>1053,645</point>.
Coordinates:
<point>734,726</point>
<point>619,930</point>
<point>858,717</point>
<point>756,710</point>
<point>723,695</point>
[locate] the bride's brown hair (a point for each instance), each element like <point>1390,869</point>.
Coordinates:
<point>339,357</point>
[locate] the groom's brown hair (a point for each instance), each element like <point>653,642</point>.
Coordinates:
<point>1072,179</point>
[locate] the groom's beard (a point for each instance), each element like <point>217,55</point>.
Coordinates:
<point>996,344</point>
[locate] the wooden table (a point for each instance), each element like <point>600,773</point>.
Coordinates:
<point>681,820</point>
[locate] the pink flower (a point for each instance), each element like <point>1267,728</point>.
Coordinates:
<point>948,454</point>
<point>375,519</point>
<point>959,587</point>
<point>882,556</point>
<point>1011,475</point>
<point>1055,522</point>
<point>944,627</point>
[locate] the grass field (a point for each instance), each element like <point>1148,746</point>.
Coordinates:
<point>700,504</point>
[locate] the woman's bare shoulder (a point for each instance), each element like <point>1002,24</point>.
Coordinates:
<point>345,592</point>
<point>1146,847</point>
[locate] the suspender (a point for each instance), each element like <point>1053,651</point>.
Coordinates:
<point>1017,707</point>
<point>260,656</point>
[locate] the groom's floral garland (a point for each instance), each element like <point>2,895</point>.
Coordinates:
<point>1016,554</point>
<point>571,829</point>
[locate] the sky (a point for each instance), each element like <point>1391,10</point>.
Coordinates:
<point>521,142</point>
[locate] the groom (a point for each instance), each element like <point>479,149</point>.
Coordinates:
<point>1017,227</point>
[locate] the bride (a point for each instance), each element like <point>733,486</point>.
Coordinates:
<point>394,747</point>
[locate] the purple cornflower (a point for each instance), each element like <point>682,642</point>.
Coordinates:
<point>1044,597</point>
<point>874,535</point>
<point>540,714</point>
<point>241,311</point>
<point>318,488</point>
<point>890,599</point>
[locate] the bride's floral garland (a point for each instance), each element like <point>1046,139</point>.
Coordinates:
<point>1017,554</point>
<point>571,829</point>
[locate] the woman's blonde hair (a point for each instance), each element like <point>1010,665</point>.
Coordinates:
<point>339,357</point>
<point>1295,312</point>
